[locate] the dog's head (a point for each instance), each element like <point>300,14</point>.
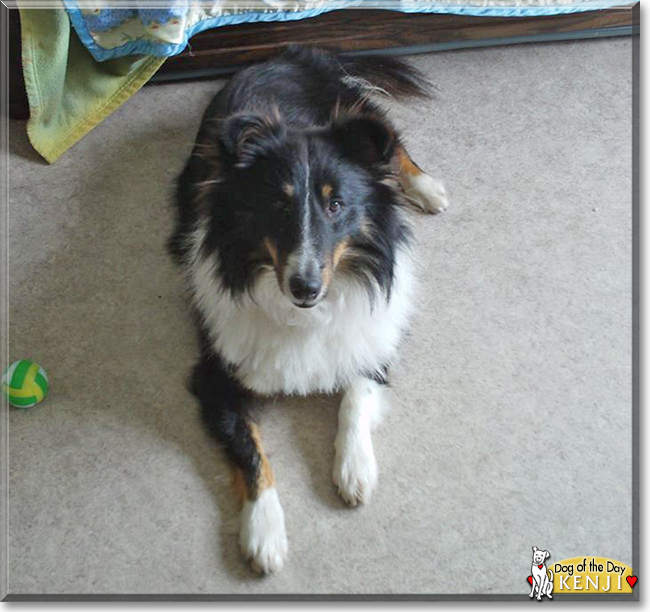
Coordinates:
<point>311,203</point>
<point>539,556</point>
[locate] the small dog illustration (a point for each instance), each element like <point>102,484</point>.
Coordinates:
<point>541,579</point>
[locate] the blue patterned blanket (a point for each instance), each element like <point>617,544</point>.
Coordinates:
<point>163,27</point>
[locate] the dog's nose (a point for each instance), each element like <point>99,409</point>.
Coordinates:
<point>305,288</point>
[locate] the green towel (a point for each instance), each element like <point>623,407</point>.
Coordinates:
<point>69,92</point>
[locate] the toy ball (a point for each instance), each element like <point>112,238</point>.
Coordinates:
<point>24,383</point>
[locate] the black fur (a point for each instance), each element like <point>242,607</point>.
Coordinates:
<point>251,150</point>
<point>276,113</point>
<point>226,409</point>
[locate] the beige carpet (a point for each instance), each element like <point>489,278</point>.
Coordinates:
<point>511,406</point>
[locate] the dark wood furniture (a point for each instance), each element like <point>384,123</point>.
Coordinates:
<point>364,31</point>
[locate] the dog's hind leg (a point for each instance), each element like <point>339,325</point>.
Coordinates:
<point>549,584</point>
<point>355,467</point>
<point>226,412</point>
<point>421,190</point>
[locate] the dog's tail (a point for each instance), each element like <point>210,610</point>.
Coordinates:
<point>378,74</point>
<point>387,75</point>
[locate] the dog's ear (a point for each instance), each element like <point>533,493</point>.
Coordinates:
<point>366,140</point>
<point>546,554</point>
<point>534,548</point>
<point>247,137</point>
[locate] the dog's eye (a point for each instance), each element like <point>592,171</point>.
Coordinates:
<point>335,206</point>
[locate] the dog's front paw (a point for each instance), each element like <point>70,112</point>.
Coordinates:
<point>262,535</point>
<point>355,468</point>
<point>427,193</point>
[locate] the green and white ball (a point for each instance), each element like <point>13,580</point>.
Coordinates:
<point>24,383</point>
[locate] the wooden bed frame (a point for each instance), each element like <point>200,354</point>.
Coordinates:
<point>224,50</point>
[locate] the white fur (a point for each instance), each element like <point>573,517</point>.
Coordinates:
<point>355,467</point>
<point>279,348</point>
<point>262,535</point>
<point>425,192</point>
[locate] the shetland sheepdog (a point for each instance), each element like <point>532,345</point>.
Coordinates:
<point>292,236</point>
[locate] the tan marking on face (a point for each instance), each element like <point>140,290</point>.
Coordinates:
<point>288,189</point>
<point>330,266</point>
<point>327,191</point>
<point>407,167</point>
<point>272,251</point>
<point>278,265</point>
<point>339,251</point>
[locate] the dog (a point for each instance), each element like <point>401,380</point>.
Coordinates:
<point>542,581</point>
<point>292,237</point>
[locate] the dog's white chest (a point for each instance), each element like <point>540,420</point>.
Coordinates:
<point>278,348</point>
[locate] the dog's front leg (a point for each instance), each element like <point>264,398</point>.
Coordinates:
<point>355,467</point>
<point>226,409</point>
<point>532,591</point>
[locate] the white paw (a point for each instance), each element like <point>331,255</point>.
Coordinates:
<point>355,468</point>
<point>426,193</point>
<point>262,535</point>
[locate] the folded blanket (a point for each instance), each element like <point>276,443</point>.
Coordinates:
<point>70,92</point>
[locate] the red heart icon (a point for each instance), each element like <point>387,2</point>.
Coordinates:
<point>631,580</point>
<point>530,580</point>
<point>541,566</point>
